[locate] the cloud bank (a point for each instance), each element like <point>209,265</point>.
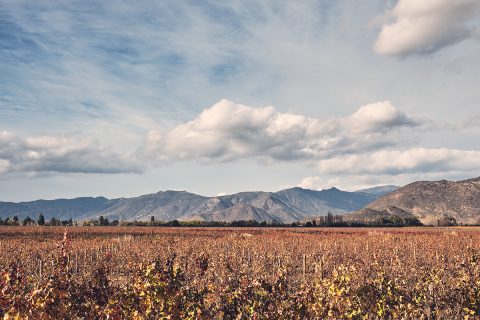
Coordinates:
<point>394,162</point>
<point>398,167</point>
<point>369,146</point>
<point>228,131</point>
<point>426,26</point>
<point>59,154</point>
<point>376,144</point>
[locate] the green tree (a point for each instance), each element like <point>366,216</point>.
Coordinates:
<point>174,223</point>
<point>329,218</point>
<point>41,220</point>
<point>27,221</point>
<point>11,222</point>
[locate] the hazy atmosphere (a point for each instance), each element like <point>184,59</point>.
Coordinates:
<point>123,98</point>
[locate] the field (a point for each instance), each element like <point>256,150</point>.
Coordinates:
<point>243,273</point>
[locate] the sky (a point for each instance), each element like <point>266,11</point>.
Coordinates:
<point>121,98</point>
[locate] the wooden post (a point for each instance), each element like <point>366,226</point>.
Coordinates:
<point>321,268</point>
<point>304,267</point>
<point>76,262</point>
<point>40,269</point>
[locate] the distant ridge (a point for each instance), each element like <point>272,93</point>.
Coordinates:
<point>284,206</point>
<point>64,209</point>
<point>381,190</point>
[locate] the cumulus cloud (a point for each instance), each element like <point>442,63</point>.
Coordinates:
<point>379,116</point>
<point>394,162</point>
<point>228,131</point>
<point>58,154</point>
<point>426,26</point>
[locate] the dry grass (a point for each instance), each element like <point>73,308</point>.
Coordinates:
<point>228,273</point>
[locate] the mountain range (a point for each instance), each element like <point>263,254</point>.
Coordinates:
<point>427,201</point>
<point>284,206</point>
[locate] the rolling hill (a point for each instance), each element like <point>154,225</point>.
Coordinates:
<point>430,201</point>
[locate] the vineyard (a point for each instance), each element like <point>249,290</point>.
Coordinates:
<point>239,273</point>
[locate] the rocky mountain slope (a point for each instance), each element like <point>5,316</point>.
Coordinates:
<point>430,201</point>
<point>238,211</point>
<point>164,205</point>
<point>288,205</point>
<point>271,205</point>
<point>334,200</point>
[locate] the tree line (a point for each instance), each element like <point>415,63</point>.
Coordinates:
<point>329,220</point>
<point>14,221</point>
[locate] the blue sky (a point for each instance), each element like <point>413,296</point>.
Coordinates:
<point>121,98</point>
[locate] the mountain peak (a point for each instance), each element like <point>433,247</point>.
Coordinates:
<point>172,191</point>
<point>294,189</point>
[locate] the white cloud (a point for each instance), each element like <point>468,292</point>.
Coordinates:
<point>378,116</point>
<point>354,182</point>
<point>347,183</point>
<point>426,26</point>
<point>314,183</point>
<point>66,154</point>
<point>394,166</point>
<point>228,131</point>
<point>394,162</point>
